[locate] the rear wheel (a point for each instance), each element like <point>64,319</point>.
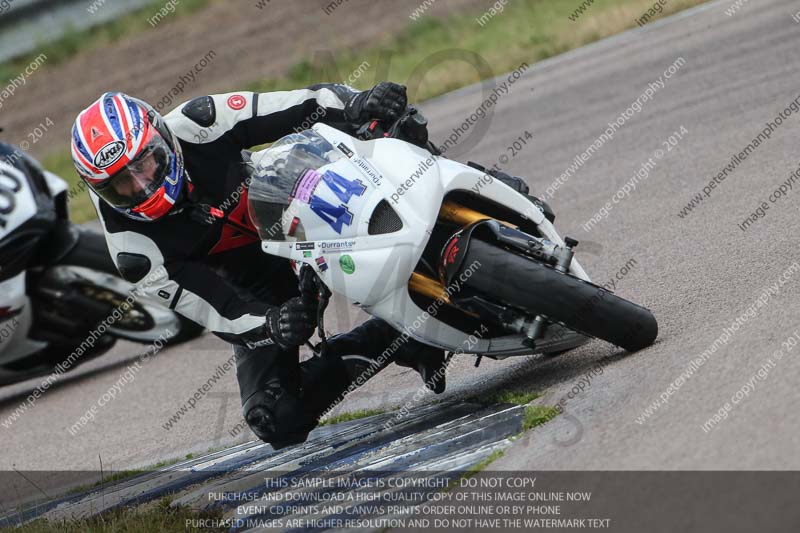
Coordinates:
<point>90,251</point>
<point>541,290</point>
<point>189,330</point>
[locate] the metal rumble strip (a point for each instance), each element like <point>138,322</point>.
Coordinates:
<point>436,439</point>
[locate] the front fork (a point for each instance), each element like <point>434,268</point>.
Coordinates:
<point>473,222</point>
<point>313,289</point>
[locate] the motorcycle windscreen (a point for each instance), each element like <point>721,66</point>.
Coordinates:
<point>303,189</point>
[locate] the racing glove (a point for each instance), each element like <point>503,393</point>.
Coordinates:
<point>292,323</point>
<point>386,100</point>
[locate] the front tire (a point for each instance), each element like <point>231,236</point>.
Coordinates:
<point>561,297</point>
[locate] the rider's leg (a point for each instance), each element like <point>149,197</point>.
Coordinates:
<point>283,399</point>
<point>354,357</point>
<point>270,378</point>
<point>270,388</point>
<point>377,337</point>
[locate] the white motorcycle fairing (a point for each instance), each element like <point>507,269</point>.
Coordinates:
<point>326,225</point>
<point>18,205</point>
<point>14,340</point>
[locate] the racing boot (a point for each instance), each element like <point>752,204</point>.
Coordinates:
<point>348,361</point>
<point>272,403</point>
<point>428,361</point>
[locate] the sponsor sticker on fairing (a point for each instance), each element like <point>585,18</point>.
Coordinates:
<point>347,264</point>
<point>345,150</point>
<point>336,246</point>
<point>368,170</point>
<point>305,186</point>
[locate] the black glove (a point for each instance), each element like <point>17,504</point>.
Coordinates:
<point>292,323</point>
<point>518,184</point>
<point>386,100</point>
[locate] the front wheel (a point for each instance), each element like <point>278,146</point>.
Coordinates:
<point>560,297</point>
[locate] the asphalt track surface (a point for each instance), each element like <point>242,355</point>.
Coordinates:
<point>697,273</point>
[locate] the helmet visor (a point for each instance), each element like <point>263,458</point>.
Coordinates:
<point>141,178</point>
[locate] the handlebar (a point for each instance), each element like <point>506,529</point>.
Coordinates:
<point>411,127</point>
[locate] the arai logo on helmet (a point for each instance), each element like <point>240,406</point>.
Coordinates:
<point>109,154</point>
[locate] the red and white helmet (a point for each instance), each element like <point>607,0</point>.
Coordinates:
<point>124,151</point>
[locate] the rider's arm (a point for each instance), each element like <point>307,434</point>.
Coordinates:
<point>200,294</point>
<point>192,289</point>
<point>247,119</point>
<point>197,292</point>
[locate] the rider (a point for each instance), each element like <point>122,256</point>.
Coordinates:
<point>153,180</point>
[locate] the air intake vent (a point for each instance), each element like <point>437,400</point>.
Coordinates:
<point>384,220</point>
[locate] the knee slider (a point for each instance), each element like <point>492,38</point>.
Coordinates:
<point>278,419</point>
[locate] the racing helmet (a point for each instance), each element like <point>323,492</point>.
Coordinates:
<point>124,151</point>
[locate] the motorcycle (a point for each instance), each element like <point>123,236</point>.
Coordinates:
<point>441,250</point>
<point>62,302</point>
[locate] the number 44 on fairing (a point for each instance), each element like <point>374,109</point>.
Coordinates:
<point>344,189</point>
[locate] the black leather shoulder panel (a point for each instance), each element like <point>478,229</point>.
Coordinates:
<point>133,267</point>
<point>201,110</point>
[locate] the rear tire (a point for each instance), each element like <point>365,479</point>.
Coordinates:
<point>90,251</point>
<point>189,330</point>
<point>573,302</point>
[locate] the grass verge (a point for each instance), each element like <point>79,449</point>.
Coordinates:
<point>474,469</point>
<point>125,474</point>
<point>507,396</point>
<point>536,415</point>
<point>437,55</point>
<point>352,415</point>
<point>533,416</point>
<point>160,517</point>
<point>75,41</point>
